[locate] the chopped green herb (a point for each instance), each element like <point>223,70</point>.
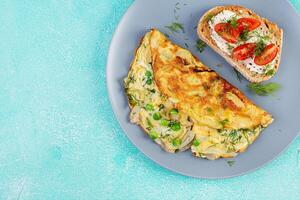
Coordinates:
<point>149,123</point>
<point>175,126</point>
<point>260,46</point>
<point>249,131</point>
<point>153,135</point>
<point>233,21</point>
<point>196,143</point>
<point>149,107</point>
<point>176,8</point>
<point>131,79</point>
<point>224,122</point>
<point>220,130</point>
<point>230,163</point>
<point>264,89</point>
<point>132,100</point>
<point>244,35</point>
<point>174,111</point>
<point>200,45</point>
<point>175,27</point>
<point>209,110</point>
<point>209,17</point>
<point>161,106</point>
<point>233,136</point>
<point>231,149</point>
<point>245,129</point>
<point>265,38</point>
<point>269,70</point>
<point>246,136</point>
<point>164,122</point>
<point>229,46</point>
<point>156,116</point>
<point>176,142</point>
<point>238,75</point>
<point>151,90</point>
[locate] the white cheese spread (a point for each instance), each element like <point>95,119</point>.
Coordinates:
<point>221,17</point>
<point>253,37</point>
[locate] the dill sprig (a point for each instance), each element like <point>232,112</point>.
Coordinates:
<point>264,89</point>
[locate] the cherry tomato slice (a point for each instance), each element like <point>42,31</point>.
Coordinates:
<point>244,51</point>
<point>267,56</point>
<point>227,32</point>
<point>249,23</point>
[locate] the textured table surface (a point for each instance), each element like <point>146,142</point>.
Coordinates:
<point>58,136</point>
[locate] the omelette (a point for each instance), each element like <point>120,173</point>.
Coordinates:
<point>182,104</point>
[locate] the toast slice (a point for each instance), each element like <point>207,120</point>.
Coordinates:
<point>267,30</point>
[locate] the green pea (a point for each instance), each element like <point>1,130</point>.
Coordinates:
<point>175,126</point>
<point>174,111</point>
<point>153,135</point>
<point>196,142</point>
<point>156,116</point>
<point>164,122</point>
<point>148,74</point>
<point>176,142</point>
<point>149,81</point>
<point>149,107</point>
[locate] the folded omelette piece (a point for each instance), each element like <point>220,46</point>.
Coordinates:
<point>181,103</point>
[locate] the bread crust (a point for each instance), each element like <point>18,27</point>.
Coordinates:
<point>204,34</point>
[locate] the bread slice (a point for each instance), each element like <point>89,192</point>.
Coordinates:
<point>276,33</point>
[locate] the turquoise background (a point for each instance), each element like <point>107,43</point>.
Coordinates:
<point>59,138</point>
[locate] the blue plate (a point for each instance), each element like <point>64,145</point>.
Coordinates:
<point>284,106</point>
